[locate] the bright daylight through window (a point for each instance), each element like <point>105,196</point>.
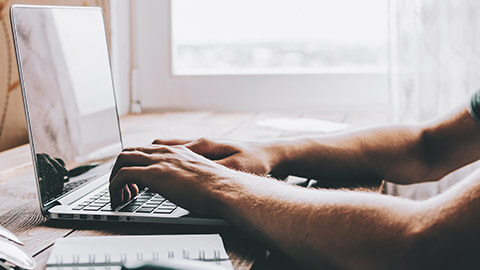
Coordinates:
<point>278,36</point>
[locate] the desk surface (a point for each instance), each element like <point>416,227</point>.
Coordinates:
<point>19,210</point>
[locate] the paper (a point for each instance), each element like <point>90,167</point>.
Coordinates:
<point>112,251</point>
<point>302,124</point>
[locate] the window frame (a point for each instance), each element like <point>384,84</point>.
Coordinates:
<point>155,86</point>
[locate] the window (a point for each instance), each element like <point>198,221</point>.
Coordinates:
<point>263,55</point>
<point>278,36</point>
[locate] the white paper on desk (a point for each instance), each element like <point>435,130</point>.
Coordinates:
<point>302,124</point>
<point>115,249</point>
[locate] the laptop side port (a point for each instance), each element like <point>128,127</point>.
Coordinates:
<point>113,218</point>
<point>97,217</point>
<point>83,216</point>
<point>65,215</point>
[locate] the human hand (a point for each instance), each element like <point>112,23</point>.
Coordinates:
<point>182,176</point>
<point>241,156</point>
<point>52,175</point>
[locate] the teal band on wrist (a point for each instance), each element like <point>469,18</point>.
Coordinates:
<point>474,106</point>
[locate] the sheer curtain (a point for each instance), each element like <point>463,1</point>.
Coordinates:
<point>434,67</point>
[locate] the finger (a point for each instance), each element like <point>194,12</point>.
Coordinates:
<point>127,194</point>
<point>121,199</point>
<point>211,149</point>
<point>59,160</point>
<point>125,176</point>
<point>134,190</point>
<point>154,149</point>
<point>171,141</point>
<point>129,159</point>
<point>59,168</point>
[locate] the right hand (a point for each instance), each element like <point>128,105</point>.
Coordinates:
<point>241,156</point>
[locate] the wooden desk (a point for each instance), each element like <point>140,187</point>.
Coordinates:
<point>19,209</point>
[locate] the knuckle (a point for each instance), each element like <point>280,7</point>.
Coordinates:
<point>169,149</point>
<point>203,140</point>
<point>163,149</point>
<point>124,171</point>
<point>179,147</point>
<point>122,156</point>
<point>234,163</point>
<point>158,168</point>
<point>140,151</point>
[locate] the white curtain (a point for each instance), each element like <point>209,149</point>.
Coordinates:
<point>434,66</point>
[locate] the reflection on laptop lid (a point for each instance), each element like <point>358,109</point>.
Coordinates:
<point>68,93</point>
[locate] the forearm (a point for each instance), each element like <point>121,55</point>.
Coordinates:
<point>344,228</point>
<point>400,154</point>
<point>357,230</point>
<point>363,157</point>
<point>318,226</point>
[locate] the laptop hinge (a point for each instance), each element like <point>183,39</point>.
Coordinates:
<point>47,208</point>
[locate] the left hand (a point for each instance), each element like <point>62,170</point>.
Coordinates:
<point>182,176</point>
<point>250,157</point>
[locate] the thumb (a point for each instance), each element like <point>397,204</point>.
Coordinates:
<point>171,141</point>
<point>231,162</point>
<point>211,149</point>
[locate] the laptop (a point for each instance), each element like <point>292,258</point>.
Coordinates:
<point>72,118</point>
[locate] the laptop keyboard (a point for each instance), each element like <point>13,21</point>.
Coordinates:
<point>145,202</point>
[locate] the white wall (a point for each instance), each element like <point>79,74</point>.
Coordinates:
<point>120,52</point>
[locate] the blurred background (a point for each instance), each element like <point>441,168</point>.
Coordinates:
<point>407,60</point>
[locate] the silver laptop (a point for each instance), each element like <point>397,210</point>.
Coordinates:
<point>72,118</point>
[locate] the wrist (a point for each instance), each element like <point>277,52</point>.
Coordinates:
<point>227,192</point>
<point>275,154</point>
<point>234,194</point>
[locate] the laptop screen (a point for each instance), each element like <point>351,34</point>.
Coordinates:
<point>68,94</point>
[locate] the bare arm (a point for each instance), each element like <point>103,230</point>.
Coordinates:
<point>401,154</point>
<point>351,230</point>
<point>355,230</point>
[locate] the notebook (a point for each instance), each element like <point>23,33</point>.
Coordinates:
<point>110,252</point>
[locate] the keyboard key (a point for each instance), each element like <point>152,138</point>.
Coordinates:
<point>166,207</point>
<point>150,204</point>
<point>163,211</point>
<point>100,202</point>
<point>106,208</point>
<point>129,208</point>
<point>140,199</point>
<point>157,200</point>
<point>145,209</point>
<point>167,203</point>
<point>99,205</point>
<point>92,208</point>
<point>137,203</point>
